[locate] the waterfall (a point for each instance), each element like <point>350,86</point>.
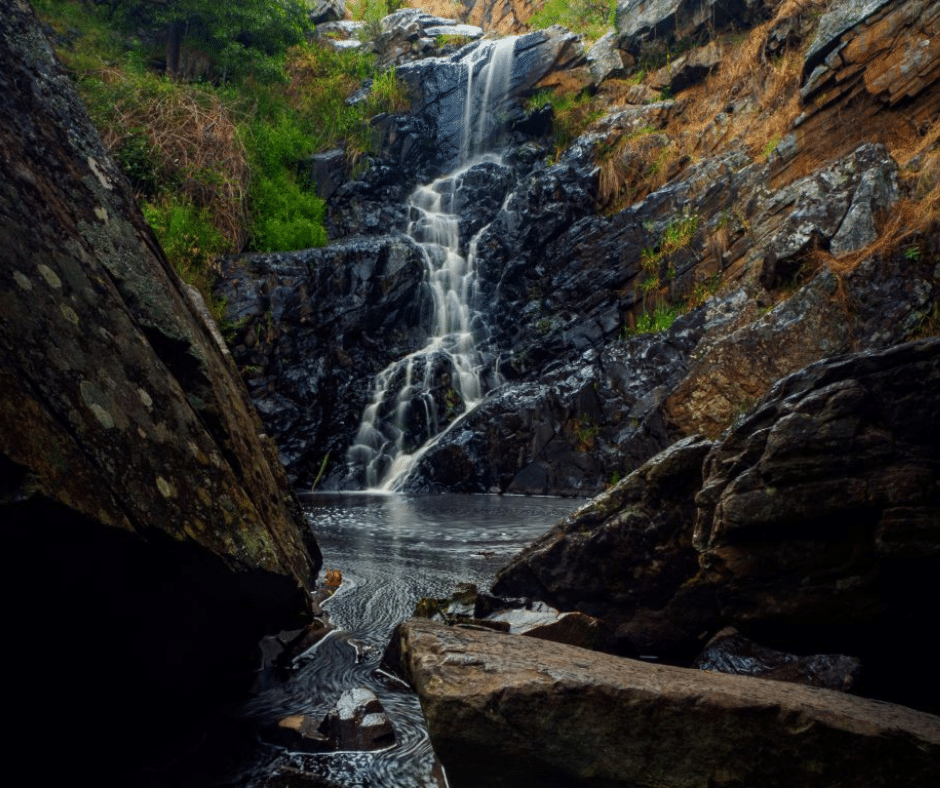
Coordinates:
<point>416,398</point>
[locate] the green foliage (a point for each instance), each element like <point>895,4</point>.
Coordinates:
<point>658,320</point>
<point>572,113</point>
<point>321,79</point>
<point>242,38</point>
<point>283,216</point>
<point>771,145</point>
<point>188,237</point>
<point>590,18</point>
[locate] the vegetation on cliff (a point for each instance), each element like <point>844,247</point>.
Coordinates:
<point>210,125</point>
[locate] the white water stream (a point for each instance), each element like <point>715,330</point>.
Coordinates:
<point>417,398</point>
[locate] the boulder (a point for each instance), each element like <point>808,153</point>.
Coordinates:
<point>152,527</point>
<point>818,514</point>
<point>604,59</point>
<point>511,711</point>
<point>815,528</point>
<point>626,557</point>
<point>730,652</point>
<point>358,722</point>
<point>321,11</point>
<point>651,28</point>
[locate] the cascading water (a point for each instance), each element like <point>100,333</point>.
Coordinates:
<point>418,397</point>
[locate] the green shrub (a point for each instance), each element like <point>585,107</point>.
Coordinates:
<point>188,237</point>
<point>572,113</point>
<point>658,320</point>
<point>284,217</point>
<point>589,18</point>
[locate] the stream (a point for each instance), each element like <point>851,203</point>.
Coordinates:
<point>392,550</point>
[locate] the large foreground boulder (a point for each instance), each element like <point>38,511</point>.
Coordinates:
<point>504,710</point>
<point>150,536</point>
<point>811,526</point>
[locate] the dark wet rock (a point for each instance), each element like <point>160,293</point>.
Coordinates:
<point>327,171</point>
<point>501,711</point>
<point>321,11</point>
<point>569,434</point>
<point>626,556</point>
<point>686,70</point>
<point>817,515</point>
<point>730,652</point>
<point>147,514</point>
<point>651,28</point>
<point>605,60</point>
<point>438,85</point>
<point>358,722</point>
<point>374,201</point>
<point>314,327</point>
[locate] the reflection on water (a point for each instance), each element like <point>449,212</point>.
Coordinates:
<point>392,550</point>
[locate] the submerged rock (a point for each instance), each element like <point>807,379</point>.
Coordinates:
<point>512,711</point>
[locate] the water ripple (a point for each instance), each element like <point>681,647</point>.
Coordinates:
<point>392,550</point>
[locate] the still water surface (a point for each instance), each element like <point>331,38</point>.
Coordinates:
<point>392,550</point>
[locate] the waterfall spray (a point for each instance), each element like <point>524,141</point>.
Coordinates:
<point>417,397</point>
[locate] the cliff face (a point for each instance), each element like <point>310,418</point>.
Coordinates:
<point>768,167</point>
<point>147,523</point>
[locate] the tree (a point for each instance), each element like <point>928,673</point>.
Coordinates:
<point>240,36</point>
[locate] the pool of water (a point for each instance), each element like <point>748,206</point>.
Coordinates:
<point>392,550</point>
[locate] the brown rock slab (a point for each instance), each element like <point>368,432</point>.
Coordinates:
<point>505,710</point>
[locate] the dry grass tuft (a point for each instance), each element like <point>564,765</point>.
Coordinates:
<point>194,140</point>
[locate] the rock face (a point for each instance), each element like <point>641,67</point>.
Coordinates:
<point>310,361</point>
<point>815,528</point>
<point>152,527</point>
<point>438,85</point>
<point>512,711</point>
<point>876,62</point>
<point>647,28</point>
